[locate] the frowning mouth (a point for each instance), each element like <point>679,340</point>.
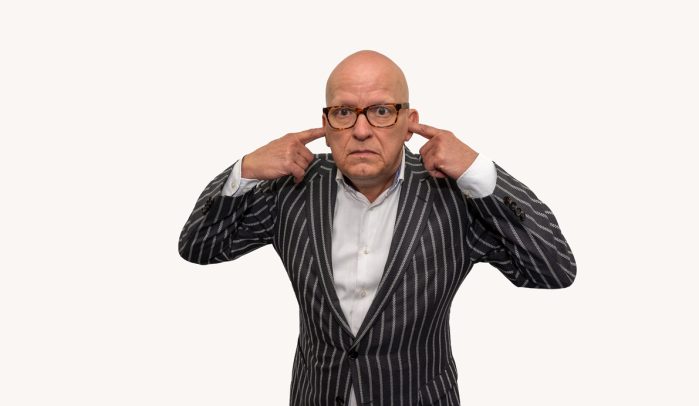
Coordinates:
<point>362,152</point>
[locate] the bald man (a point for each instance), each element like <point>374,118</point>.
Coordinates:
<point>376,239</point>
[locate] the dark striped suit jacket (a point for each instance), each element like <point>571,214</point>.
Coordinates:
<point>401,354</point>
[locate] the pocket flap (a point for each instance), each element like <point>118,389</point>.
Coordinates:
<point>435,389</point>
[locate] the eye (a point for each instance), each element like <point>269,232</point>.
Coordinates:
<point>342,112</point>
<point>382,111</point>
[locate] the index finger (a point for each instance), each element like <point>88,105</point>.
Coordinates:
<point>310,135</point>
<point>423,129</point>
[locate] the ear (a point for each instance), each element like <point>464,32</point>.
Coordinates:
<point>413,117</point>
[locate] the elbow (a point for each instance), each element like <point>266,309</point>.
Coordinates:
<point>192,247</point>
<point>570,272</point>
<point>569,269</point>
<point>189,253</point>
<point>195,259</point>
<point>566,283</point>
<point>565,272</point>
<point>566,275</point>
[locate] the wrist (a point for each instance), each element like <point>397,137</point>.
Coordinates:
<point>245,171</point>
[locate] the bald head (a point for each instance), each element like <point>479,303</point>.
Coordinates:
<point>362,73</point>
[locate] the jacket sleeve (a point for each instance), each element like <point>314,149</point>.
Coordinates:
<point>222,228</point>
<point>518,234</point>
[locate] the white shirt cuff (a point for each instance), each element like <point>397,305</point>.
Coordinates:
<point>479,179</point>
<point>236,185</point>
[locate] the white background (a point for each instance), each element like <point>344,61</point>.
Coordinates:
<point>115,115</point>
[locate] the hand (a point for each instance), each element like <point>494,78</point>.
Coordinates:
<point>443,155</point>
<point>287,155</point>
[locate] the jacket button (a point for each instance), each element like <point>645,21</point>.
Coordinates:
<point>521,216</point>
<point>353,354</point>
<point>519,212</point>
<point>507,199</point>
<point>339,400</point>
<point>513,205</point>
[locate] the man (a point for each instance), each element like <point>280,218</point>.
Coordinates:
<point>376,239</point>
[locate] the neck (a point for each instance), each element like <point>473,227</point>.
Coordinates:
<point>372,190</point>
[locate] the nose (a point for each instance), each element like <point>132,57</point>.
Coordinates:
<point>362,128</point>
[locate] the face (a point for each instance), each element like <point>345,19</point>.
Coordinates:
<point>369,156</point>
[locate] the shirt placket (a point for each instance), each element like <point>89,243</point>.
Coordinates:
<point>363,252</point>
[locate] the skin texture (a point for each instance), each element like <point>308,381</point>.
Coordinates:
<point>366,155</point>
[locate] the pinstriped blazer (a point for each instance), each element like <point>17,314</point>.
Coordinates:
<point>401,354</point>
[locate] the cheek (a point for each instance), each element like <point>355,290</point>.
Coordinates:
<point>336,142</point>
<point>392,142</point>
<point>330,139</point>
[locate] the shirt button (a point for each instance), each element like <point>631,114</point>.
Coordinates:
<point>362,293</point>
<point>366,250</point>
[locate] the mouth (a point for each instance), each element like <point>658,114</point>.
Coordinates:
<point>362,152</point>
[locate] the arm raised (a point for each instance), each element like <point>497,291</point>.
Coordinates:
<point>222,228</point>
<point>518,234</point>
<point>224,225</point>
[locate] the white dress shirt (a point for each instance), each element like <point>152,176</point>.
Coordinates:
<point>362,232</point>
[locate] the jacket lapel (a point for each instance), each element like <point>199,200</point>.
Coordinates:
<point>321,193</point>
<point>414,207</point>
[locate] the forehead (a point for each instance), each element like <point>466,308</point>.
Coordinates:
<point>360,97</point>
<point>364,86</point>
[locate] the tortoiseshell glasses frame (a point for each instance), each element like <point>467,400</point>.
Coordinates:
<point>357,111</point>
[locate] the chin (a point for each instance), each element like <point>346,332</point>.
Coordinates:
<point>360,171</point>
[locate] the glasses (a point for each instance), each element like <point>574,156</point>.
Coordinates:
<point>378,115</point>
